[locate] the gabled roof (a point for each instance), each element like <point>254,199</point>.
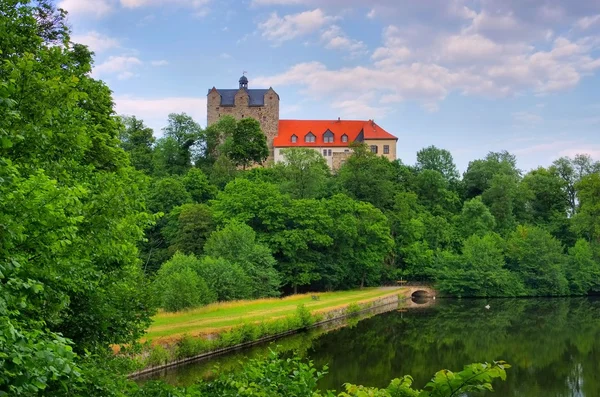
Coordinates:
<point>356,130</point>
<point>257,96</point>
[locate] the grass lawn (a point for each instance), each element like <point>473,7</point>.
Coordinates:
<point>220,316</point>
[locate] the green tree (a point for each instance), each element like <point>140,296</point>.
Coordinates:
<point>502,198</point>
<point>475,218</point>
<point>166,194</point>
<point>188,228</point>
<point>571,171</point>
<point>587,220</point>
<point>583,272</point>
<point>71,210</point>
<point>228,280</point>
<point>236,243</point>
<point>440,160</point>
<point>178,284</point>
<point>248,144</point>
<point>198,186</point>
<point>138,141</point>
<point>434,193</point>
<point>304,173</point>
<point>480,271</point>
<point>361,240</point>
<point>209,147</point>
<point>185,132</point>
<point>538,259</point>
<point>478,177</point>
<point>368,177</point>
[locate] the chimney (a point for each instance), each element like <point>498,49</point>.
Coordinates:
<point>338,119</point>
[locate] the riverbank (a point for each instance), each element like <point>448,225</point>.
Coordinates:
<point>216,318</point>
<point>272,319</point>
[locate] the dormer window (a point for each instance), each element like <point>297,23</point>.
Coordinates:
<point>294,138</point>
<point>310,138</point>
<point>328,137</point>
<point>345,138</point>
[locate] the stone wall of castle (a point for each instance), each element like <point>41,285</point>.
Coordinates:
<point>267,115</point>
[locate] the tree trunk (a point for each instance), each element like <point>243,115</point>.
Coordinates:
<point>295,289</point>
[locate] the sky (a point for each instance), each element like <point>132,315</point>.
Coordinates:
<point>469,76</point>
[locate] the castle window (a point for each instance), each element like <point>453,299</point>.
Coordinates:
<point>374,149</point>
<point>310,138</point>
<point>344,138</point>
<point>324,152</point>
<point>328,137</point>
<point>386,149</point>
<point>294,139</point>
<point>329,152</point>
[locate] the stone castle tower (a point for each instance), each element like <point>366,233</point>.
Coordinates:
<point>260,104</point>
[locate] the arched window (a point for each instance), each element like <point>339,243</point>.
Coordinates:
<point>344,138</point>
<point>310,138</point>
<point>374,148</point>
<point>328,137</point>
<point>294,138</point>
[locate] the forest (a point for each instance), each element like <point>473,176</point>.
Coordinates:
<point>101,223</point>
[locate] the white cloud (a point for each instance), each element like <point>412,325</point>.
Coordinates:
<point>154,111</point>
<point>122,66</point>
<point>225,55</point>
<point>279,29</point>
<point>372,14</point>
<point>96,8</point>
<point>335,39</point>
<point>161,62</point>
<point>97,42</point>
<point>588,21</point>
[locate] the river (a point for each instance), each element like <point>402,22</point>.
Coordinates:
<point>553,346</point>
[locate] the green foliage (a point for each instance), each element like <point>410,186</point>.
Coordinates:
<point>137,140</point>
<point>178,284</point>
<point>198,186</point>
<point>166,194</point>
<point>304,173</point>
<point>236,243</point>
<point>539,260</point>
<point>479,271</point>
<point>587,220</point>
<point>247,144</point>
<point>368,177</point>
<point>228,280</point>
<point>188,227</point>
<point>475,218</point>
<point>440,160</point>
<point>445,383</point>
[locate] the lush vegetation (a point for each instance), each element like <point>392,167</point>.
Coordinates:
<point>100,222</point>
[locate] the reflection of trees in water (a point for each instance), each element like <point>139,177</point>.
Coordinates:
<point>553,344</point>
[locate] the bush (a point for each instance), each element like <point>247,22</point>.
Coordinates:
<point>303,316</point>
<point>179,285</point>
<point>188,346</point>
<point>228,280</point>
<point>158,356</point>
<point>353,309</point>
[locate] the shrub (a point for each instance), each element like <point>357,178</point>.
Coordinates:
<point>304,317</point>
<point>158,356</point>
<point>228,280</point>
<point>353,309</point>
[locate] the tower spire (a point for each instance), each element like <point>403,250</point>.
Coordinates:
<point>244,80</point>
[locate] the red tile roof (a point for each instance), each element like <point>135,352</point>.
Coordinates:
<point>352,128</point>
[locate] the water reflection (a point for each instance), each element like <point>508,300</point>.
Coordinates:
<point>552,344</point>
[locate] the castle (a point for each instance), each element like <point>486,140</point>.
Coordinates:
<point>331,138</point>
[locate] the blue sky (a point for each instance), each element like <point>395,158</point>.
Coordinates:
<point>470,76</point>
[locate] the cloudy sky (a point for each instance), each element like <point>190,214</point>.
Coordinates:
<point>471,76</point>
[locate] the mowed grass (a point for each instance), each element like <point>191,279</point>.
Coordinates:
<point>220,316</point>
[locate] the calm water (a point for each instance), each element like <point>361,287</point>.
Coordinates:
<point>553,346</point>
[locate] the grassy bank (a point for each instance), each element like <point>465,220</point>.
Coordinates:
<point>215,318</point>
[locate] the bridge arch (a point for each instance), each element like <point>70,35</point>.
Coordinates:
<point>422,293</point>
